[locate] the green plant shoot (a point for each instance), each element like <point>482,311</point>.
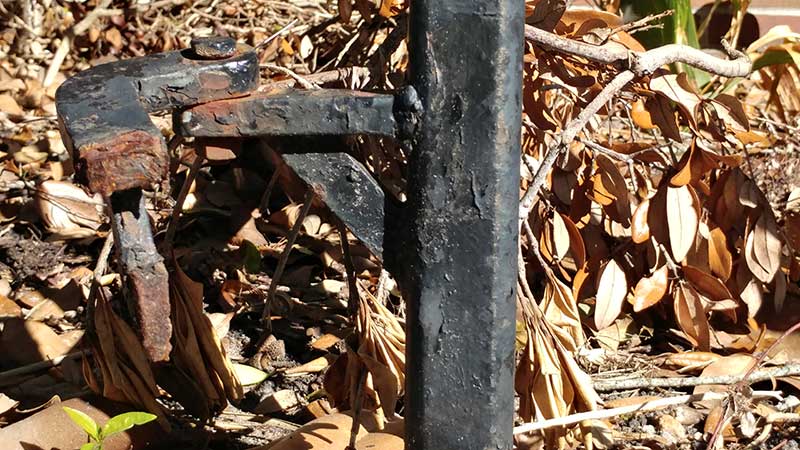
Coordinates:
<point>117,424</point>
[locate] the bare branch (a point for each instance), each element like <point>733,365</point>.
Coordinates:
<point>569,133</point>
<point>639,383</point>
<point>652,405</point>
<point>633,64</point>
<point>641,63</point>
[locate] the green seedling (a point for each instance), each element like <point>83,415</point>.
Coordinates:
<point>116,424</point>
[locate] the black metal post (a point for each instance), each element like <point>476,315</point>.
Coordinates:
<point>466,64</point>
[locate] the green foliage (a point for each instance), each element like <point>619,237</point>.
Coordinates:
<point>85,422</point>
<point>251,257</point>
<point>679,28</point>
<point>775,57</point>
<point>116,424</point>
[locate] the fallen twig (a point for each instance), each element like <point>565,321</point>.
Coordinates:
<point>290,238</point>
<point>642,63</point>
<point>37,366</point>
<point>172,228</point>
<point>652,405</point>
<point>754,377</point>
<point>570,132</point>
<point>79,28</point>
<point>632,64</point>
<point>352,288</point>
<point>319,78</point>
<point>306,84</point>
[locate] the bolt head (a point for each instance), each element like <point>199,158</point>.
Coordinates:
<point>214,47</point>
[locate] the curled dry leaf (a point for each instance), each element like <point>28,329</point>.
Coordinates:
<point>749,194</point>
<point>693,360</point>
<point>560,236</point>
<point>561,310</point>
<point>706,284</point>
<point>694,164</point>
<point>548,380</point>
<point>752,296</point>
<point>763,248</point>
<point>331,431</point>
<point>682,219</point>
<point>641,117</point>
<point>9,308</point>
<point>611,292</point>
<point>68,210</point>
<point>198,350</point>
<point>650,290</point>
<point>30,341</point>
<point>577,246</point>
<point>720,260</point>
<point>345,10</point>
<point>544,14</point>
<point>380,352</point>
<point>678,89</point>
<point>640,230</point>
<point>391,8</point>
<point>611,190</point>
<point>691,315</point>
<point>663,116</point>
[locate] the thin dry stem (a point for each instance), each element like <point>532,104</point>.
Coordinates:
<point>652,405</point>
<point>290,238</point>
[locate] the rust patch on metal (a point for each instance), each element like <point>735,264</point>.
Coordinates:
<point>135,159</point>
<point>151,288</point>
<point>146,279</point>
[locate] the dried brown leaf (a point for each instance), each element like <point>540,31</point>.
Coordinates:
<point>641,117</point>
<point>691,359</point>
<point>345,10</point>
<point>683,220</point>
<point>561,237</point>
<point>611,292</point>
<point>640,229</point>
<point>650,290</point>
<point>678,89</point>
<point>706,284</point>
<point>544,14</point>
<point>691,316</point>
<point>763,248</point>
<point>720,260</point>
<point>68,210</point>
<point>752,296</point>
<point>10,106</point>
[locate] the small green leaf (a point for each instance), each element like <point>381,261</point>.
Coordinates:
<point>251,257</point>
<point>84,421</point>
<point>90,446</point>
<point>776,56</point>
<point>679,28</point>
<point>126,421</point>
<point>248,375</point>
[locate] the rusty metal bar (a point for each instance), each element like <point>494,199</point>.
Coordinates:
<point>145,279</point>
<point>292,112</point>
<point>118,151</point>
<point>466,65</point>
<point>103,111</point>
